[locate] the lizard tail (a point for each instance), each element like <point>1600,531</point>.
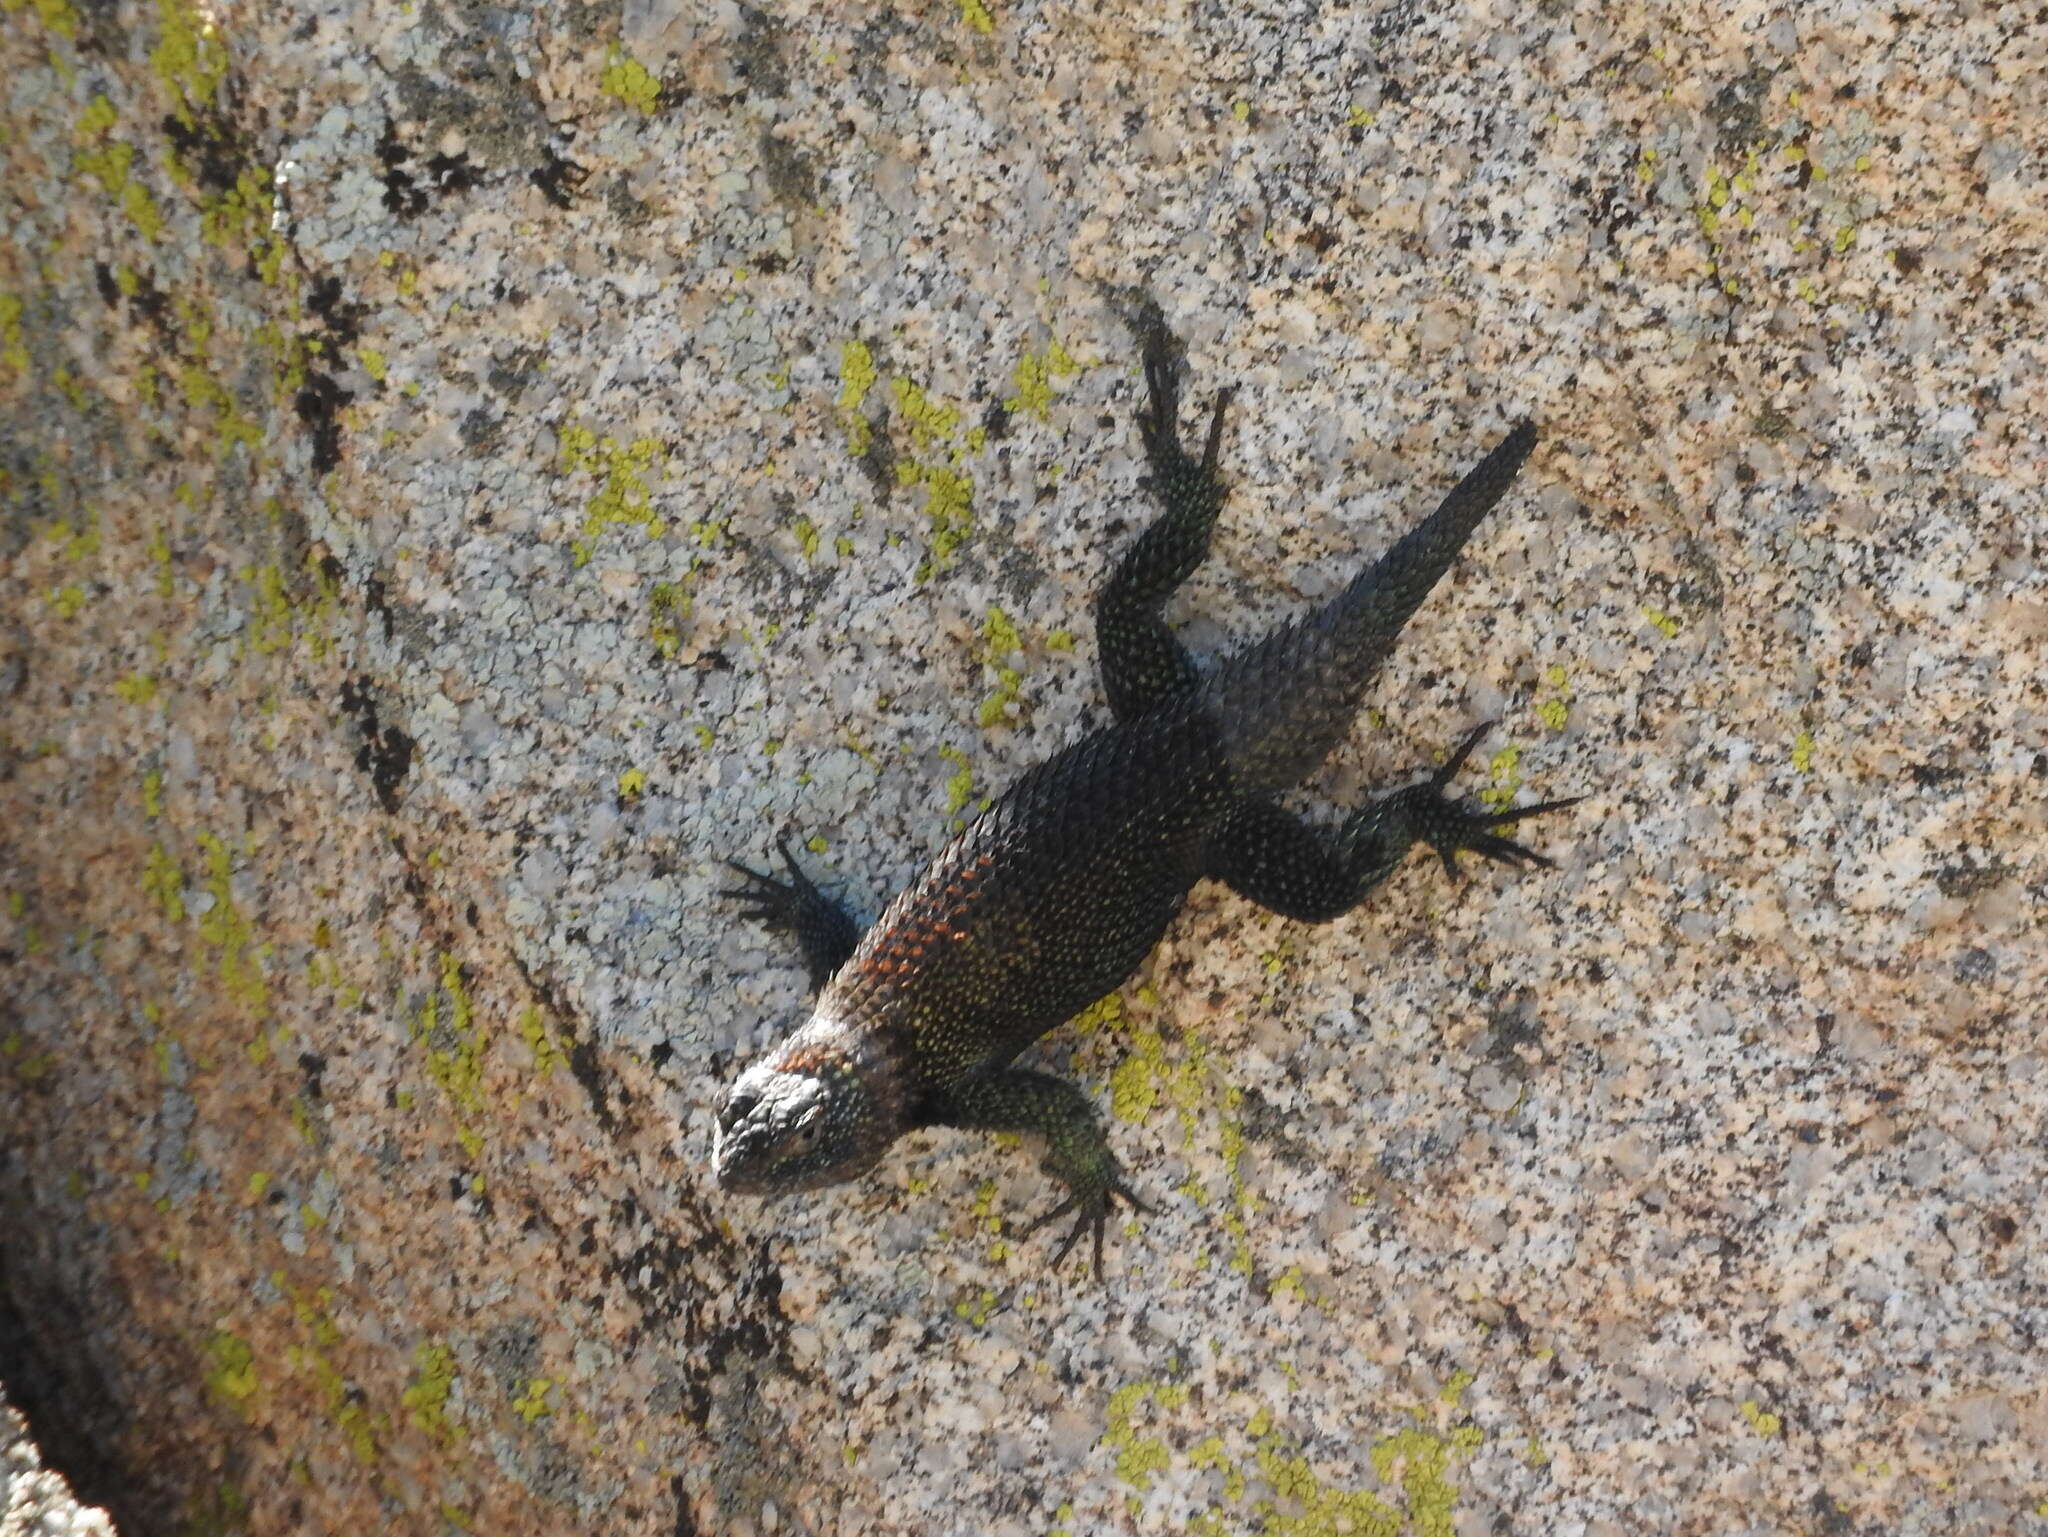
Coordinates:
<point>1284,703</point>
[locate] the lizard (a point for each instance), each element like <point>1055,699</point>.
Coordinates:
<point>1057,891</point>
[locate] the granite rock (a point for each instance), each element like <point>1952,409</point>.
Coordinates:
<point>467,471</point>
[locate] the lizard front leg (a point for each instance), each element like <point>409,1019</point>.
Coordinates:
<point>1076,1152</point>
<point>1142,663</point>
<point>825,931</point>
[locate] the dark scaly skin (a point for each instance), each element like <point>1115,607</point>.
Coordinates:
<point>1062,887</point>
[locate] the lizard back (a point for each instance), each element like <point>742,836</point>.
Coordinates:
<point>1050,899</point>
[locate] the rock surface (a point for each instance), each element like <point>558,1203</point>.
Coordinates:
<point>467,470</point>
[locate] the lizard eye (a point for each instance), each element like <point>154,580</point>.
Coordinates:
<point>807,1129</point>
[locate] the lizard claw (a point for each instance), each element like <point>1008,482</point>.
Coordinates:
<point>1454,827</point>
<point>1091,1207</point>
<point>1456,761</point>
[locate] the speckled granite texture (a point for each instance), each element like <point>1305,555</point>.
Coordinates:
<point>467,470</point>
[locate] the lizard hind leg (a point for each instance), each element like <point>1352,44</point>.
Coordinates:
<point>1142,663</point>
<point>1265,853</point>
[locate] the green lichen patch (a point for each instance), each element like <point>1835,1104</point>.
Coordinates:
<point>1761,1420</point>
<point>239,217</point>
<point>1504,770</point>
<point>426,1394</point>
<point>857,376</point>
<point>930,424</point>
<point>1555,710</point>
<point>547,1053</point>
<point>164,883</point>
<point>455,1050</point>
<point>668,605</point>
<point>345,1402</point>
<point>13,351</point>
<point>1034,376</point>
<point>1138,1456</point>
<point>270,610</point>
<point>1147,1077</point>
<point>1000,641</point>
<point>203,392</point>
<point>137,688</point>
<point>1416,1467</point>
<point>626,79</point>
<point>224,926</point>
<point>949,504</point>
<point>230,1371</point>
<point>189,57</point>
<point>933,457</point>
<point>959,788</point>
<point>532,1404</point>
<point>622,499</point>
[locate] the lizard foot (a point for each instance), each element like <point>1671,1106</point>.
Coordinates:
<point>1159,419</point>
<point>1091,1204</point>
<point>1464,826</point>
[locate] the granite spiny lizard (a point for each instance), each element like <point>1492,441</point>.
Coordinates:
<point>1056,893</point>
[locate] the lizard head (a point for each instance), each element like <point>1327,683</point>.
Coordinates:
<point>819,1110</point>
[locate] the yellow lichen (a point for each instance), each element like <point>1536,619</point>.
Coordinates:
<point>949,504</point>
<point>164,882</point>
<point>623,500</point>
<point>426,1396</point>
<point>136,688</point>
<point>1000,640</point>
<point>627,79</point>
<point>1033,377</point>
<point>856,377</point>
<point>1759,1420</point>
<point>189,56</point>
<point>1555,711</point>
<point>56,15</point>
<point>929,422</point>
<point>1505,769</point>
<point>960,788</point>
<point>270,610</point>
<point>224,926</point>
<point>231,1371</point>
<point>533,1404</point>
<point>455,1048</point>
<point>547,1056</point>
<point>12,351</point>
